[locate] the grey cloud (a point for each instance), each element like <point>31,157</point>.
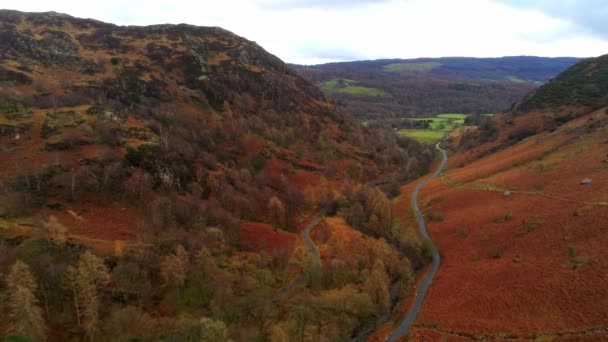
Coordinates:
<point>589,15</point>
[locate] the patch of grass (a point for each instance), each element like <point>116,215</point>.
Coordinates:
<point>55,121</point>
<point>435,127</point>
<point>365,91</point>
<point>411,67</point>
<point>441,124</point>
<point>453,116</point>
<point>346,86</point>
<point>422,136</point>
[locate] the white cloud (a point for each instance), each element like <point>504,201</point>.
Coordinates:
<point>309,31</point>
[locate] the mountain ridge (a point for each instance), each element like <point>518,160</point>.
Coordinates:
<point>426,86</point>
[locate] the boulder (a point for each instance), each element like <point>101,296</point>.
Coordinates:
<point>507,194</point>
<point>586,181</point>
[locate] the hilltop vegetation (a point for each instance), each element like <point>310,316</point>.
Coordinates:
<point>584,85</point>
<point>153,180</point>
<point>429,86</point>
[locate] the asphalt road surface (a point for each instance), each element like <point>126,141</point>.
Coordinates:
<point>409,319</point>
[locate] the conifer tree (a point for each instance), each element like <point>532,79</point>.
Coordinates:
<point>86,279</point>
<point>24,316</point>
<point>174,267</point>
<point>214,331</point>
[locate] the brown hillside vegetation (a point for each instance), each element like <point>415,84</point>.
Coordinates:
<point>190,159</point>
<point>531,264</point>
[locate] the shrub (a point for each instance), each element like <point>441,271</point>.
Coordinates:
<point>573,260</point>
<point>474,256</point>
<point>114,60</point>
<point>534,223</point>
<point>541,167</point>
<point>257,163</point>
<point>521,134</point>
<point>504,218</point>
<point>133,156</point>
<point>495,252</point>
<point>426,249</point>
<point>462,233</point>
<point>433,216</point>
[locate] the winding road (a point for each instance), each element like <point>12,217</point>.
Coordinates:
<point>408,320</point>
<point>316,257</point>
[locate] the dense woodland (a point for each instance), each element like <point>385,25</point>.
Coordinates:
<point>194,131</point>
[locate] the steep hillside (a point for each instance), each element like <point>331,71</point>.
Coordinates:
<point>426,86</point>
<point>189,159</point>
<point>584,85</point>
<point>523,222</point>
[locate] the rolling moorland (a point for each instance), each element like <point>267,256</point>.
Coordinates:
<point>162,183</point>
<point>520,217</point>
<point>154,182</point>
<point>428,86</point>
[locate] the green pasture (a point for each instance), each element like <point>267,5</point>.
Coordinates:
<point>424,136</point>
<point>346,86</point>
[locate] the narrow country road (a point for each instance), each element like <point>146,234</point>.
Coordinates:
<point>409,319</point>
<point>316,257</point>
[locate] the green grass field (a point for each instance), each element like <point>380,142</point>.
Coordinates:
<point>452,116</point>
<point>441,124</point>
<point>422,135</point>
<point>346,86</point>
<point>444,122</point>
<point>411,67</point>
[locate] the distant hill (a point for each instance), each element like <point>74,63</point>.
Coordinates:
<point>426,86</point>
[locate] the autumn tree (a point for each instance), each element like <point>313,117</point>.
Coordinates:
<point>85,281</point>
<point>278,334</point>
<point>174,269</point>
<point>214,331</point>
<point>24,316</point>
<point>277,209</point>
<point>377,285</point>
<point>55,231</point>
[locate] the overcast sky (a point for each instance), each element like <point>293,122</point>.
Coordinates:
<point>317,31</point>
